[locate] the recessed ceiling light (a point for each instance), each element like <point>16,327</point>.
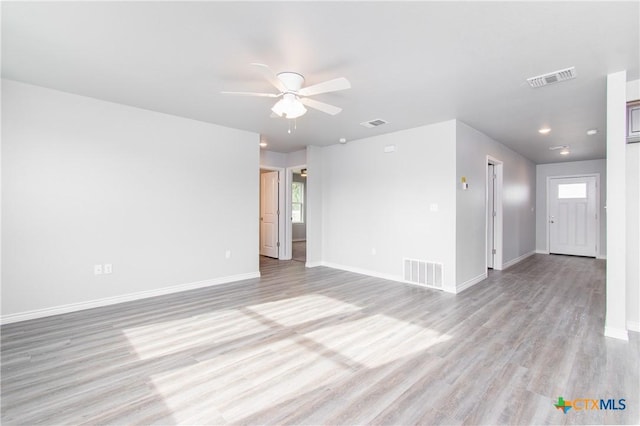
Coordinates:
<point>544,130</point>
<point>263,144</point>
<point>592,132</point>
<point>565,151</point>
<point>343,140</point>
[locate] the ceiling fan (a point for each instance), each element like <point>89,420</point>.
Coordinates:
<point>294,96</point>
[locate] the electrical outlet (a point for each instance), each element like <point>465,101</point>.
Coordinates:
<point>108,268</point>
<point>97,269</point>
<point>227,254</point>
<point>373,251</point>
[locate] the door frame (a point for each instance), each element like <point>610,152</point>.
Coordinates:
<point>288,242</point>
<point>497,224</point>
<point>548,212</point>
<point>281,208</point>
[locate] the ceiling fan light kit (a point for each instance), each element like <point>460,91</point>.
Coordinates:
<point>289,107</point>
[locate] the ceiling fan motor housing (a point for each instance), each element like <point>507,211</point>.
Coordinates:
<point>291,80</point>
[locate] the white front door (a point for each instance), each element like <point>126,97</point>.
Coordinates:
<point>269,214</point>
<point>573,216</point>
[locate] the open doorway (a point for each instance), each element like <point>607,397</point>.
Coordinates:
<point>269,213</point>
<point>491,214</point>
<point>494,214</point>
<point>299,215</point>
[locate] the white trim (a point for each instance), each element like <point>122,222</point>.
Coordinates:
<point>282,229</point>
<point>616,333</point>
<point>546,252</point>
<point>473,281</point>
<point>73,307</point>
<point>498,221</point>
<point>633,326</point>
<point>363,271</point>
<point>375,274</point>
<point>598,213</point>
<point>288,181</point>
<point>313,264</point>
<point>518,259</point>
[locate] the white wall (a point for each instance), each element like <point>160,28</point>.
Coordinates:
<point>315,206</point>
<point>272,159</point>
<point>376,202</point>
<point>519,188</point>
<point>543,171</point>
<point>616,319</point>
<point>296,158</point>
<point>282,160</point>
<point>89,182</point>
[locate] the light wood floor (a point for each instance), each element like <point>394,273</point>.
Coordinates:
<point>299,251</point>
<point>320,346</point>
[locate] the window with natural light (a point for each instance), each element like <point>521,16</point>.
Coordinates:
<point>572,190</point>
<point>297,202</point>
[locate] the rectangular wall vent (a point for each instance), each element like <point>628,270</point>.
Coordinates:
<point>552,77</point>
<point>373,123</point>
<point>421,272</point>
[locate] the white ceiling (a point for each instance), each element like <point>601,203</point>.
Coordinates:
<point>410,63</point>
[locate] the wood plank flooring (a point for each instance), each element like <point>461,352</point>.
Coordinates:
<point>299,251</point>
<point>321,346</point>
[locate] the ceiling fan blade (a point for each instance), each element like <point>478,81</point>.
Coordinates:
<point>271,76</point>
<point>321,106</point>
<point>264,95</point>
<point>334,85</point>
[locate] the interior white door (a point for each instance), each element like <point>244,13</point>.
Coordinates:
<point>491,214</point>
<point>573,216</point>
<point>269,214</point>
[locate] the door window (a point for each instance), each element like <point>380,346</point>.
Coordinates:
<point>572,190</point>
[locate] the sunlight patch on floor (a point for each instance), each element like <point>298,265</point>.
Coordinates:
<point>162,338</point>
<point>377,339</point>
<point>232,386</point>
<point>246,361</point>
<point>302,309</point>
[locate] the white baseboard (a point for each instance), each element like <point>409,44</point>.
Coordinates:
<point>517,260</point>
<point>363,271</point>
<point>473,281</point>
<point>73,307</point>
<point>376,274</point>
<point>616,333</point>
<point>313,264</point>
<point>633,326</point>
<point>547,252</point>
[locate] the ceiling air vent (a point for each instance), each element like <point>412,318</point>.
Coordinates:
<point>552,77</point>
<point>373,123</point>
